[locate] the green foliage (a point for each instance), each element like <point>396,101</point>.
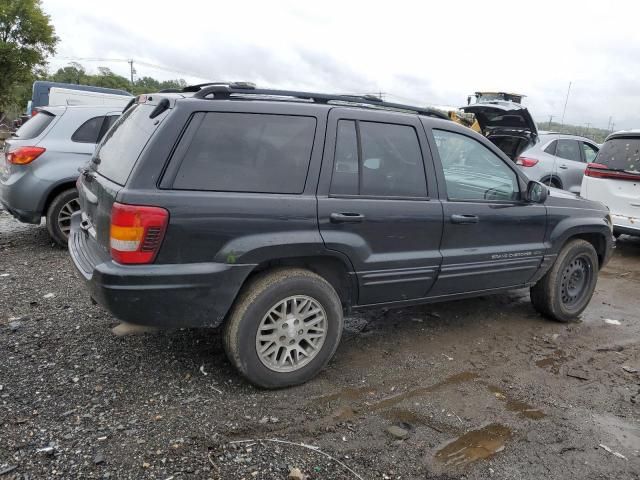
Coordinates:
<point>26,39</point>
<point>596,134</point>
<point>76,73</point>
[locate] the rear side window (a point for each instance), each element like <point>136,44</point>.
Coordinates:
<point>569,149</point>
<point>89,131</point>
<point>551,148</point>
<point>35,125</point>
<point>247,152</point>
<point>345,167</point>
<point>620,154</point>
<point>121,146</point>
<point>389,164</point>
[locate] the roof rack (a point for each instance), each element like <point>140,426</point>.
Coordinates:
<point>224,90</point>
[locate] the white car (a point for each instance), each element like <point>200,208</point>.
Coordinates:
<point>614,179</point>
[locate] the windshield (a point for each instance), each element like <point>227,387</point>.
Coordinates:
<point>621,154</point>
<point>120,148</point>
<point>35,125</point>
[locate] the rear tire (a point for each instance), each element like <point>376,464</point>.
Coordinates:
<point>279,315</point>
<point>552,182</point>
<point>565,290</point>
<point>59,215</point>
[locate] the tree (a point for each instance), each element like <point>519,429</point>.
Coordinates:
<point>72,73</point>
<point>26,39</point>
<point>106,78</point>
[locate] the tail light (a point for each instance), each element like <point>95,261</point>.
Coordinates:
<point>24,155</point>
<point>598,170</point>
<point>526,162</point>
<point>34,112</point>
<point>136,232</point>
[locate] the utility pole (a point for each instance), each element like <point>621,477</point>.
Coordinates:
<point>609,123</point>
<point>612,125</point>
<point>130,62</point>
<point>586,134</point>
<point>550,118</point>
<point>565,103</point>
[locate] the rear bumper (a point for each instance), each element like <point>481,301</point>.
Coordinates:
<point>626,230</point>
<point>180,295</point>
<point>21,196</point>
<point>625,224</point>
<point>23,215</point>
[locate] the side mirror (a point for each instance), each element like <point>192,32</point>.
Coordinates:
<point>537,192</point>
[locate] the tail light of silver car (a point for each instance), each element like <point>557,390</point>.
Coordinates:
<point>599,170</point>
<point>136,232</point>
<point>526,162</point>
<point>24,155</point>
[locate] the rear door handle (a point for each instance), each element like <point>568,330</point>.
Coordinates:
<point>464,219</point>
<point>564,167</point>
<point>346,218</point>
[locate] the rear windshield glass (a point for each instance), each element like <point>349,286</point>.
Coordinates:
<point>35,125</point>
<point>621,154</point>
<point>121,146</point>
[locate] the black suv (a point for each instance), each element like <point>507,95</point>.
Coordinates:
<point>272,212</point>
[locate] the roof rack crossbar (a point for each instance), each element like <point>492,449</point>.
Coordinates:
<point>221,91</point>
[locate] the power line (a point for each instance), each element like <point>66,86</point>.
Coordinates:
<point>130,62</point>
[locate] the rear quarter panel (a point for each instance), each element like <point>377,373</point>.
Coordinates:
<point>228,227</point>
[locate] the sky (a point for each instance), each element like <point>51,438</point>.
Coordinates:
<point>423,53</point>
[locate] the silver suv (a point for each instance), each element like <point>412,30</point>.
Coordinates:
<point>558,160</point>
<point>39,164</point>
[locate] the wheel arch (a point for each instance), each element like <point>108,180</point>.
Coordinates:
<point>552,177</point>
<point>55,190</point>
<point>335,270</point>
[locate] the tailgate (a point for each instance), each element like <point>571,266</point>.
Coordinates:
<point>97,195</point>
<point>110,167</point>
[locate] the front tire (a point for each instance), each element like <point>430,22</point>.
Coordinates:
<point>59,214</point>
<point>566,290</point>
<point>284,327</point>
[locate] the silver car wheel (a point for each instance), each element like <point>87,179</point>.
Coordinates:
<point>291,334</point>
<point>64,216</point>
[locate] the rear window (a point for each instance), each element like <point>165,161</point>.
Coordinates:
<point>620,154</point>
<point>247,152</point>
<point>35,125</point>
<point>88,132</point>
<point>121,146</point>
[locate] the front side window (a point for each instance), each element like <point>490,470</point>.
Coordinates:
<point>569,150</point>
<point>473,172</point>
<point>390,164</point>
<point>590,152</point>
<point>247,152</point>
<point>89,131</point>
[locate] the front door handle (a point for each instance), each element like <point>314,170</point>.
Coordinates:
<point>464,219</point>
<point>346,218</point>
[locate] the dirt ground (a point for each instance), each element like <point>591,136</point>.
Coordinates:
<point>480,389</point>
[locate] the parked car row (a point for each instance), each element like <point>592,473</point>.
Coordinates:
<point>40,161</point>
<point>271,213</point>
<point>610,174</point>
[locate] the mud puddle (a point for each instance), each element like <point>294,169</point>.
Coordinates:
<point>513,405</point>
<point>474,445</point>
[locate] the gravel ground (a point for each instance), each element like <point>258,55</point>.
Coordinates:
<point>474,389</point>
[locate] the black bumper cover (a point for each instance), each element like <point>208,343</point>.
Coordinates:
<point>176,295</point>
